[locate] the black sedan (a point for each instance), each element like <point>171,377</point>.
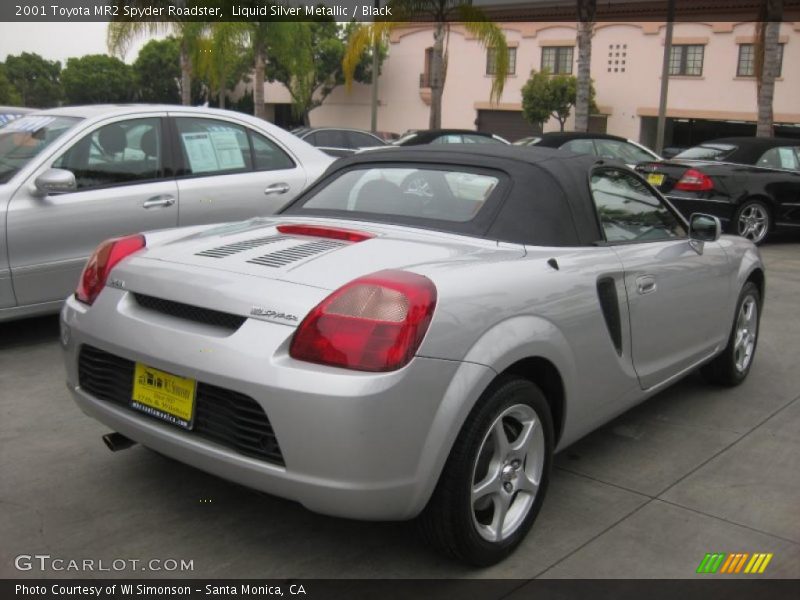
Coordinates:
<point>595,144</point>
<point>339,141</point>
<point>448,136</point>
<point>751,184</point>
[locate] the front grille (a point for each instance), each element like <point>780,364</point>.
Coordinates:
<point>188,312</point>
<point>283,257</point>
<point>226,417</point>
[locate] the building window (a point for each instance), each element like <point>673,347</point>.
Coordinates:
<point>686,60</point>
<point>491,61</point>
<point>746,66</point>
<point>557,59</point>
<point>425,76</point>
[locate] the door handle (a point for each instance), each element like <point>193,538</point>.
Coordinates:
<point>159,201</point>
<point>277,188</point>
<point>646,284</point>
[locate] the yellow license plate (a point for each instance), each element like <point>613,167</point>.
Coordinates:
<point>655,179</point>
<point>164,395</point>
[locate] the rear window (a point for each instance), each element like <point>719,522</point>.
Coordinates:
<point>424,193</point>
<point>708,152</point>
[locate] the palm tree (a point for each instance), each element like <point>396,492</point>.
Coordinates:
<point>586,13</point>
<point>440,13</point>
<point>258,41</point>
<point>767,60</point>
<point>217,51</point>
<point>121,34</point>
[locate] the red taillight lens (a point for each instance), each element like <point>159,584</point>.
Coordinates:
<point>375,323</point>
<point>333,233</point>
<point>694,181</point>
<point>105,258</point>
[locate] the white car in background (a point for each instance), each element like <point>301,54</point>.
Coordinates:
<point>71,177</point>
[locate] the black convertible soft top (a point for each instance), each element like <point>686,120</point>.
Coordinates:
<point>750,149</point>
<point>546,201</point>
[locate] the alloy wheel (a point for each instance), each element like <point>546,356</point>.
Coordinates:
<point>746,332</point>
<point>507,473</point>
<point>753,222</point>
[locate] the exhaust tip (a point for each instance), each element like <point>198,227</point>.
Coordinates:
<point>116,441</point>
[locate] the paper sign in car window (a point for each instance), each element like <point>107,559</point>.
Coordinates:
<point>226,147</point>
<point>788,158</point>
<point>200,152</point>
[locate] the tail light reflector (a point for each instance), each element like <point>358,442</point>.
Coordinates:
<point>694,181</point>
<point>374,323</point>
<point>105,257</point>
<point>333,233</point>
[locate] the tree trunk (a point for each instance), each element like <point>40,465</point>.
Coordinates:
<point>438,74</point>
<point>260,110</point>
<point>768,71</point>
<point>586,12</point>
<point>186,77</point>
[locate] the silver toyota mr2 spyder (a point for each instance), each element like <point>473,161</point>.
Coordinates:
<point>415,335</point>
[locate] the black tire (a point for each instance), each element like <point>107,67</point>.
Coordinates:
<point>448,522</point>
<point>723,369</point>
<point>743,216</point>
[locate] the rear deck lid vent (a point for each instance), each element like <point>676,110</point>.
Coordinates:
<point>236,247</point>
<point>285,256</point>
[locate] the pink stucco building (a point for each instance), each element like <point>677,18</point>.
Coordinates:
<point>712,90</point>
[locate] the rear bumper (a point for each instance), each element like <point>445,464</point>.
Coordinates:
<point>358,445</point>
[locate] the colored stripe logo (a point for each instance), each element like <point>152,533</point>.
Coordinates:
<point>735,563</point>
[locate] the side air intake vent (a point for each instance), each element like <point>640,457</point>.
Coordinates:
<point>236,247</point>
<point>609,303</point>
<point>281,258</point>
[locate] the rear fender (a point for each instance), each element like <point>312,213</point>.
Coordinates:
<point>500,347</point>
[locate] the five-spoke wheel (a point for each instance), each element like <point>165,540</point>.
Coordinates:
<point>495,479</point>
<point>753,221</point>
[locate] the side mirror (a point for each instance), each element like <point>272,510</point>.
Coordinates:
<point>704,228</point>
<point>55,181</point>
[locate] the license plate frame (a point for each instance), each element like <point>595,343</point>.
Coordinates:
<point>165,396</point>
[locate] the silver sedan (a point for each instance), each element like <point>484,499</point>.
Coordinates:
<point>378,353</point>
<point>71,177</point>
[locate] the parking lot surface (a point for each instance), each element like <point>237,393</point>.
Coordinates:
<point>694,470</point>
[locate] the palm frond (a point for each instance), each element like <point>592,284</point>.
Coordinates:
<point>363,38</point>
<point>491,36</point>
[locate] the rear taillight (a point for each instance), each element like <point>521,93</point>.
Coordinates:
<point>333,233</point>
<point>694,181</point>
<point>105,258</point>
<point>374,323</point>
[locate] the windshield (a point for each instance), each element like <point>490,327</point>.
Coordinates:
<point>24,138</point>
<point>707,152</point>
<point>627,153</point>
<point>423,193</point>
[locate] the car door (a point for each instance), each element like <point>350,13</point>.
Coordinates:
<point>122,187</point>
<point>676,291</point>
<point>780,170</point>
<point>229,172</point>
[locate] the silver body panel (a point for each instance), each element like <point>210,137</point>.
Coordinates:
<point>372,445</point>
<point>45,240</point>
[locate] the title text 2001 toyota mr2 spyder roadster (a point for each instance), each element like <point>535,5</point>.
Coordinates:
<point>415,335</point>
